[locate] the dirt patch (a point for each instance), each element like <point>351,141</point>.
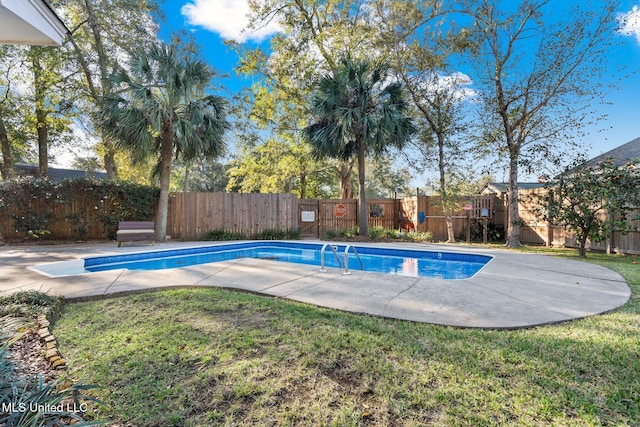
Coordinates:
<point>246,320</point>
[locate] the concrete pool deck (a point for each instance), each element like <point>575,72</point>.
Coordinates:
<point>514,290</point>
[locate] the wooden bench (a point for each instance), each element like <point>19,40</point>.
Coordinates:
<point>135,231</point>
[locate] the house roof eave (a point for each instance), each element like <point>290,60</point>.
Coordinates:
<point>31,22</point>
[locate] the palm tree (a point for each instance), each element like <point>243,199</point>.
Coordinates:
<point>160,108</point>
<point>357,113</point>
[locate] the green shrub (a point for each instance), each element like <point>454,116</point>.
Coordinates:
<point>376,233</point>
<point>330,234</point>
<point>31,404</point>
<point>276,234</point>
<point>31,401</point>
<point>379,233</point>
<point>35,403</point>
<point>418,236</point>
<point>350,232</point>
<point>293,234</point>
<point>392,234</point>
<point>30,304</point>
<point>222,235</point>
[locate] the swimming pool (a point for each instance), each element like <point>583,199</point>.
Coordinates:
<point>406,262</point>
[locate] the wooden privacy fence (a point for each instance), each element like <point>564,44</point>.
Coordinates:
<point>425,213</point>
<point>193,214</point>
<point>336,215</point>
<point>77,219</point>
<point>69,220</point>
<point>536,231</point>
<point>319,216</point>
<point>422,213</point>
<point>617,243</point>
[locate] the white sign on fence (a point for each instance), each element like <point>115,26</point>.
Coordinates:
<point>308,216</point>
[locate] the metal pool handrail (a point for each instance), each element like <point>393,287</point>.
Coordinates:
<point>333,249</point>
<point>346,259</point>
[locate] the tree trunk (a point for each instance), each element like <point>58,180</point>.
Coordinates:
<point>187,174</point>
<point>513,226</point>
<point>450,233</point>
<point>41,120</point>
<point>303,185</point>
<point>109,158</point>
<point>582,245</point>
<point>7,156</point>
<point>165,179</point>
<point>105,85</point>
<point>346,189</point>
<point>444,196</point>
<point>43,136</point>
<point>364,214</point>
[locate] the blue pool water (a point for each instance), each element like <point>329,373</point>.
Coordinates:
<point>404,262</point>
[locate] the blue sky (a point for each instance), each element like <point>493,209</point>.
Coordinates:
<point>213,21</point>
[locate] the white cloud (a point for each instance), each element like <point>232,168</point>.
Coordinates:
<point>455,86</point>
<point>228,18</point>
<point>630,23</point>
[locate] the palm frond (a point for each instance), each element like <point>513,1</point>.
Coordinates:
<point>165,89</point>
<point>354,106</point>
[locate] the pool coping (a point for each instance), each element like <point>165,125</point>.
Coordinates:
<point>353,251</point>
<point>514,290</point>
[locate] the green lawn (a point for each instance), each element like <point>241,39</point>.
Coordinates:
<point>204,357</point>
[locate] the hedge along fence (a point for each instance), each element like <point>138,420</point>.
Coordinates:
<point>81,209</point>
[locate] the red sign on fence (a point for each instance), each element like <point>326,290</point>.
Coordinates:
<point>339,210</point>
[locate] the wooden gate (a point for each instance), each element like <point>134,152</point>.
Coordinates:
<point>308,217</point>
